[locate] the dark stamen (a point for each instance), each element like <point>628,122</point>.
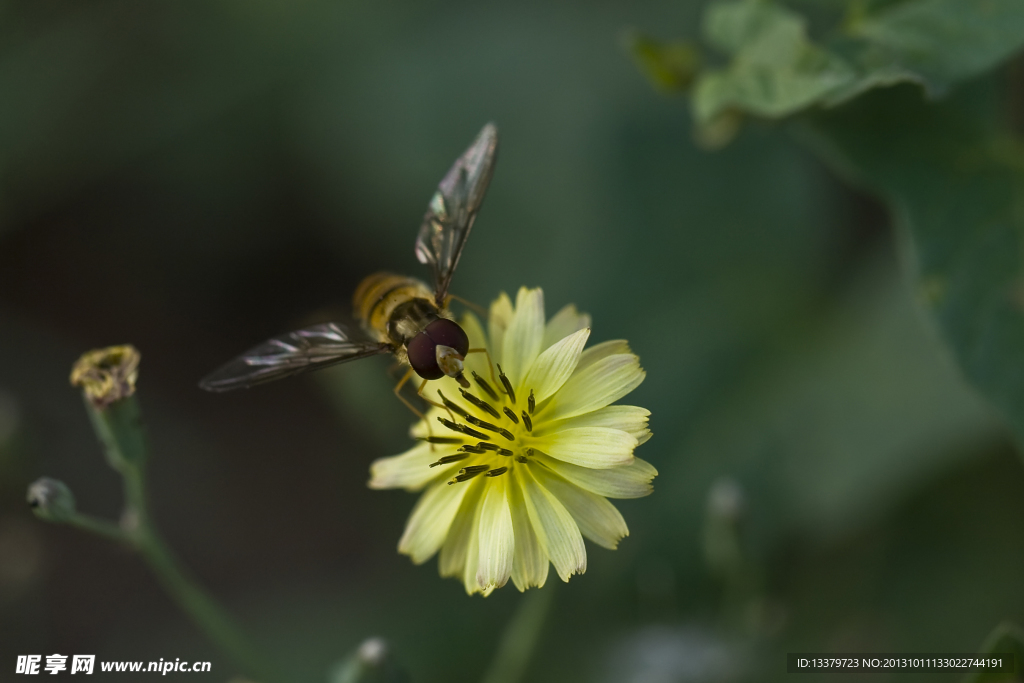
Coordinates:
<point>470,469</point>
<point>497,471</point>
<point>485,386</point>
<point>482,405</point>
<point>520,458</point>
<point>467,475</point>
<point>508,385</point>
<point>487,425</point>
<point>511,415</point>
<point>472,449</point>
<point>527,421</point>
<point>531,402</point>
<point>450,405</point>
<point>441,439</point>
<point>488,446</point>
<point>529,452</point>
<point>455,427</point>
<point>504,451</point>
<point>463,382</point>
<point>475,434</point>
<point>449,458</point>
<point>482,423</point>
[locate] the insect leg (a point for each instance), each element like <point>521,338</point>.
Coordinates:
<point>419,392</point>
<point>465,302</point>
<point>398,392</point>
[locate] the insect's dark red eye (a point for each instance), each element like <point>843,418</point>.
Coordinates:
<point>447,332</point>
<point>423,356</point>
<point>423,347</point>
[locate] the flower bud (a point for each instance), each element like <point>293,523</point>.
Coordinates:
<point>370,663</point>
<point>372,651</point>
<point>51,500</point>
<point>725,500</point>
<point>107,375</point>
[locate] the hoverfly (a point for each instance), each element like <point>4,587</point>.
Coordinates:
<point>397,314</point>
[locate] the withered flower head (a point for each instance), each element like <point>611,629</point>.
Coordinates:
<point>107,375</point>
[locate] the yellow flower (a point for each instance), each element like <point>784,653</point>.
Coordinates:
<point>518,468</point>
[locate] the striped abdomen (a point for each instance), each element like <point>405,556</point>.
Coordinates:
<point>394,308</point>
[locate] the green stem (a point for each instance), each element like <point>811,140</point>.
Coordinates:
<point>119,430</point>
<point>520,638</point>
<point>100,527</point>
<point>208,616</point>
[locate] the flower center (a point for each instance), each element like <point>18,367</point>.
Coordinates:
<point>499,435</point>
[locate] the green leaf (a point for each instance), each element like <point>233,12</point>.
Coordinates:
<point>939,42</point>
<point>955,186</point>
<point>1005,638</point>
<point>734,26</point>
<point>775,70</point>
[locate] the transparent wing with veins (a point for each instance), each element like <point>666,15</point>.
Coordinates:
<point>290,354</point>
<point>453,209</point>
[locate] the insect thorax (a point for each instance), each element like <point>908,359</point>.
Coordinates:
<point>394,308</point>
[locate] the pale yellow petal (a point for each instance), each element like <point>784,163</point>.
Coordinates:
<point>497,323</point>
<point>452,561</point>
<point>564,323</point>
<point>555,365</point>
<point>420,429</point>
<point>473,329</point>
<point>556,531</point>
<point>469,572</point>
<point>629,481</point>
<point>446,389</point>
<point>530,563</point>
<point>477,361</point>
<point>597,447</point>
<point>410,470</point>
<point>497,542</point>
<point>602,350</point>
<point>524,335</point>
<point>630,419</point>
<point>596,518</point>
<point>430,521</point>
<point>593,387</point>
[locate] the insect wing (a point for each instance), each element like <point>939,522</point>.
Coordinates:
<point>453,209</point>
<point>307,349</point>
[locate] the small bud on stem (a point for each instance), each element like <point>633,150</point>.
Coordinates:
<point>51,499</point>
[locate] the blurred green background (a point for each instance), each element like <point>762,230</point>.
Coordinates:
<point>192,177</point>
